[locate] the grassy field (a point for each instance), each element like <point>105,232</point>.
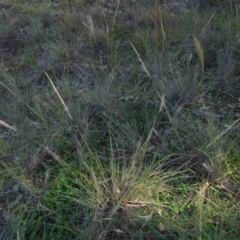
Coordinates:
<point>119,120</point>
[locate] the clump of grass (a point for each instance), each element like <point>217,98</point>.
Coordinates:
<point>117,123</point>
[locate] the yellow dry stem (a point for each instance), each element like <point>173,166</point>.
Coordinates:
<point>7,125</point>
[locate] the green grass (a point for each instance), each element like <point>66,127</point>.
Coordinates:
<point>119,121</point>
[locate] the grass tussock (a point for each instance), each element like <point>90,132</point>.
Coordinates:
<point>119,120</point>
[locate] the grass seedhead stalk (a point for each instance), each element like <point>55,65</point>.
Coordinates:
<point>199,202</point>
<point>7,125</point>
<point>59,96</point>
<point>223,132</point>
<point>163,32</point>
<point>141,61</point>
<point>200,51</point>
<point>115,14</point>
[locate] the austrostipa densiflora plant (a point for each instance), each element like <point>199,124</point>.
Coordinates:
<point>116,124</point>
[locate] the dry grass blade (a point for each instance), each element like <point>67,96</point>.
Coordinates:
<point>116,12</point>
<point>141,61</point>
<point>7,125</point>
<point>222,133</point>
<point>208,23</point>
<point>63,103</point>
